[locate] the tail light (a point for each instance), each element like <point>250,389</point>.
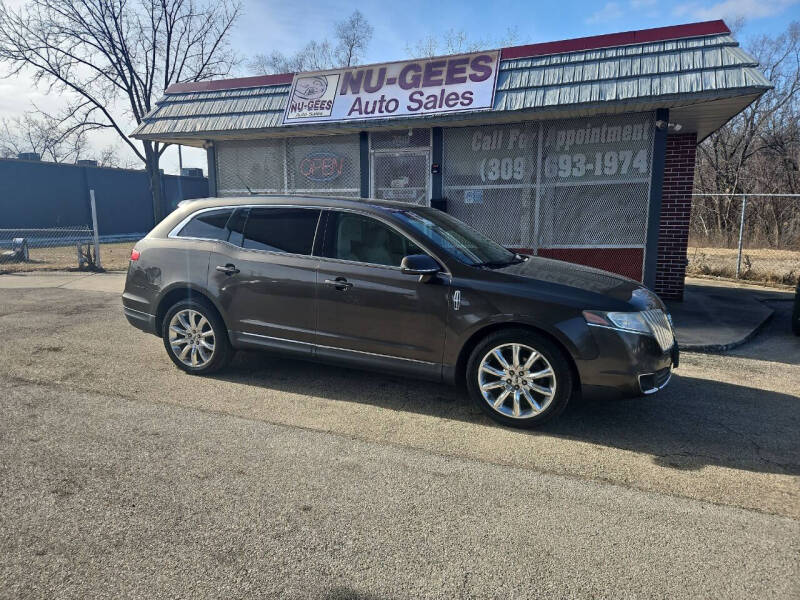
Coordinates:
<point>135,254</point>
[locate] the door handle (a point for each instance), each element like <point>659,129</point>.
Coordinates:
<point>228,269</point>
<point>340,283</point>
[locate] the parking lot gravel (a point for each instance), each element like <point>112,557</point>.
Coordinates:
<point>124,477</point>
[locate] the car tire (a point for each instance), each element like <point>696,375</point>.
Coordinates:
<point>193,329</point>
<point>523,387</point>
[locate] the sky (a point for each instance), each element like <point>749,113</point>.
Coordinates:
<point>274,24</point>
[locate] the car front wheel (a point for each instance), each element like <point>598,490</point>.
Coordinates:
<point>519,378</point>
<point>196,338</point>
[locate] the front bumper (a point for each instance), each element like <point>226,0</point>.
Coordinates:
<point>627,364</point>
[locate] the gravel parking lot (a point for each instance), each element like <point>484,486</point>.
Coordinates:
<point>124,477</point>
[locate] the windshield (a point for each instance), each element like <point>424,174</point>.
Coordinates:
<point>457,238</point>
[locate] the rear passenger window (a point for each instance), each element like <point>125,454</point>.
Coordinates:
<point>236,226</point>
<point>208,225</point>
<point>281,229</point>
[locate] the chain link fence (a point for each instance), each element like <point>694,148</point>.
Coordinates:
<point>52,248</point>
<point>754,237</point>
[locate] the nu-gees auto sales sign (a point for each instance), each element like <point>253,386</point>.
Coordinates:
<point>438,85</point>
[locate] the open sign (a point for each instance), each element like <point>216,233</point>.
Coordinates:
<point>322,166</point>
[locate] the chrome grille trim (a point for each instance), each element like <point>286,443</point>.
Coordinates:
<point>660,327</point>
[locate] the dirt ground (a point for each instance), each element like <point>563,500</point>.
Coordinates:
<point>113,257</point>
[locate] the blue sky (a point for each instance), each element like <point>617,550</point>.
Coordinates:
<point>270,24</point>
<point>274,24</point>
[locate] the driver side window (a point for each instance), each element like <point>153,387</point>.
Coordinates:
<point>362,239</point>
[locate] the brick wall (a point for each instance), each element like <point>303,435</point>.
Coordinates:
<point>624,261</point>
<point>676,206</point>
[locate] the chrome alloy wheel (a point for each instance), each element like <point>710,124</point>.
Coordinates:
<point>516,381</point>
<point>191,338</point>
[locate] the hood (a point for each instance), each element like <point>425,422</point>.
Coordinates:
<point>586,279</point>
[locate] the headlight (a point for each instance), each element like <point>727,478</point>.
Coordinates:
<point>627,321</point>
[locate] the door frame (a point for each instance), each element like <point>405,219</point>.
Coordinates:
<point>424,151</point>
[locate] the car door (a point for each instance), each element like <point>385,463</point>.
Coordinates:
<point>266,279</point>
<point>368,310</point>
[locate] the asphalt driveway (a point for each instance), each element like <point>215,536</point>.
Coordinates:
<point>125,477</point>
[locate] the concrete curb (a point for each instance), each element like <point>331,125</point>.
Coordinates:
<point>721,348</point>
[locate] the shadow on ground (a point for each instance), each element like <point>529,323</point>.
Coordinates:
<point>692,423</point>
<point>775,342</point>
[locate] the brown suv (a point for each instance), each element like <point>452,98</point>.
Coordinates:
<point>399,288</point>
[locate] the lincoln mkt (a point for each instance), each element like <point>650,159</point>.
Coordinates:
<point>581,150</point>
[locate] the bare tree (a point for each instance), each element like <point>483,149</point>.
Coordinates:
<point>455,41</point>
<point>353,35</point>
<point>42,134</point>
<point>113,58</point>
<point>755,152</point>
<point>352,38</point>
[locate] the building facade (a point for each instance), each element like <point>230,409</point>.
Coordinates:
<point>581,150</point>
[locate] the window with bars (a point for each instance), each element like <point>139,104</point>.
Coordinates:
<point>327,165</point>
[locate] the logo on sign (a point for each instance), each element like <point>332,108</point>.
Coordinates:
<point>322,166</point>
<point>312,96</point>
<point>310,88</point>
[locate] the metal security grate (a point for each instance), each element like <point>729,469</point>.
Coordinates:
<point>400,163</point>
<point>400,139</point>
<point>595,182</point>
<point>328,166</point>
<point>563,187</point>
<point>659,325</point>
<point>252,166</point>
<point>489,180</point>
<point>401,176</point>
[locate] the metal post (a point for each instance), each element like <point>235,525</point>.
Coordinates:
<point>363,159</point>
<point>96,234</point>
<point>741,238</point>
<point>180,174</point>
<point>538,197</point>
<point>211,157</point>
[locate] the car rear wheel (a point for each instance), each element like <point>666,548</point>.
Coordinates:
<point>519,378</point>
<point>196,338</point>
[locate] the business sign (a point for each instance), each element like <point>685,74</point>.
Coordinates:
<point>322,166</point>
<point>402,89</point>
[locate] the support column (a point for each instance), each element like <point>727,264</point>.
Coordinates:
<point>676,210</point>
<point>654,207</point>
<point>211,158</point>
<point>363,139</point>
<point>437,152</point>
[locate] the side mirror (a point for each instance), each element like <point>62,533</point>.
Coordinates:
<point>420,264</point>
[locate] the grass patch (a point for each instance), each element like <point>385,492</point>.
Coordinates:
<point>761,265</point>
<point>113,256</point>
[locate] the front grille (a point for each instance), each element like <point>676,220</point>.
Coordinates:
<point>659,325</point>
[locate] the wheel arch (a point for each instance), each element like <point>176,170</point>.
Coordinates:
<point>183,292</point>
<point>477,336</point>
